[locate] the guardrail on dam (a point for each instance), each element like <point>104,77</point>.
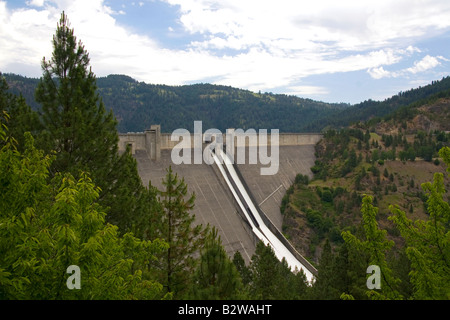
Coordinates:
<point>215,203</point>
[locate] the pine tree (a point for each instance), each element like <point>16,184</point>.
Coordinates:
<point>349,267</point>
<point>78,128</point>
<point>184,238</point>
<point>325,285</point>
<point>216,276</point>
<point>83,134</point>
<point>264,271</point>
<point>244,271</point>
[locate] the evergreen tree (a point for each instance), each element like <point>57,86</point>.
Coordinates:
<point>147,224</point>
<point>291,285</point>
<point>401,267</point>
<point>300,286</point>
<point>264,272</point>
<point>75,121</point>
<point>325,285</point>
<point>77,127</point>
<point>216,276</point>
<point>349,272</point>
<point>244,271</point>
<point>184,238</point>
<point>274,280</point>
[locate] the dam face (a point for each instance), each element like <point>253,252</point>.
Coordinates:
<point>214,203</point>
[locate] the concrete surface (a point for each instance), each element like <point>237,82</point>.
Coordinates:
<point>269,190</point>
<point>214,203</point>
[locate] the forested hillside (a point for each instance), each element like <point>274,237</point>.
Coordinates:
<point>137,105</point>
<point>383,166</point>
<point>370,109</point>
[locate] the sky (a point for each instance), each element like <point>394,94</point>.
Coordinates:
<point>333,51</point>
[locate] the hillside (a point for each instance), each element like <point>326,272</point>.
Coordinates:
<point>388,158</point>
<point>371,109</point>
<point>137,105</point>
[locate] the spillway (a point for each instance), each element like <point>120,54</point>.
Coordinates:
<point>215,203</point>
<point>254,218</point>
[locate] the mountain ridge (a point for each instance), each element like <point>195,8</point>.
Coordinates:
<point>137,105</point>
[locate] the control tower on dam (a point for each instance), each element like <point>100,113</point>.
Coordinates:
<point>214,203</point>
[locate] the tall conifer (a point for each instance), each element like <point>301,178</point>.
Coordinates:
<point>83,134</point>
<point>185,239</point>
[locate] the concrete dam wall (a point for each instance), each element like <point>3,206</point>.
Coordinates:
<point>214,202</point>
<point>153,141</point>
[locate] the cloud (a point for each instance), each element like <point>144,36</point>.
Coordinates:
<point>24,36</point>
<point>379,73</point>
<point>36,3</point>
<point>307,90</point>
<point>325,24</point>
<point>426,63</point>
<point>253,44</point>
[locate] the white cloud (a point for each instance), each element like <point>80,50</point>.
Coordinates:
<point>344,25</point>
<point>307,90</point>
<point>24,36</point>
<point>426,63</point>
<point>379,73</point>
<point>36,3</point>
<point>253,44</point>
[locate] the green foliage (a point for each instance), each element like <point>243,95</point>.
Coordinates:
<point>216,277</point>
<point>427,242</point>
<point>327,196</point>
<point>244,271</point>
<point>47,226</point>
<point>75,123</point>
<point>376,245</point>
<point>301,179</point>
<point>272,279</point>
<point>338,273</point>
<point>83,135</point>
<point>318,222</point>
<point>400,107</point>
<point>178,230</point>
<point>138,105</point>
<point>426,246</point>
<point>21,118</point>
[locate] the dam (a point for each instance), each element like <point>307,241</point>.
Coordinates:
<point>215,203</point>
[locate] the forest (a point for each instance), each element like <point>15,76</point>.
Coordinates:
<point>371,200</point>
<point>137,105</point>
<point>68,198</point>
